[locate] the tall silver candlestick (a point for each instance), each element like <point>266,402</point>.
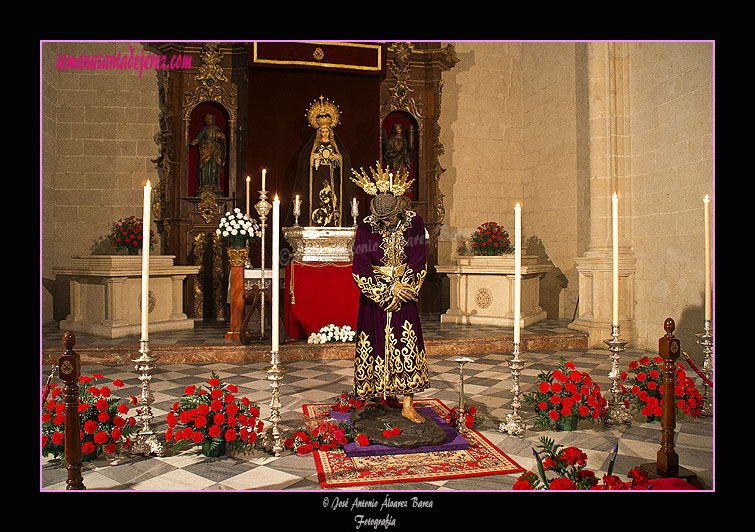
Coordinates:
<point>617,411</point>
<point>706,341</point>
<point>460,422</point>
<point>263,208</point>
<point>146,440</point>
<point>514,424</point>
<point>275,374</point>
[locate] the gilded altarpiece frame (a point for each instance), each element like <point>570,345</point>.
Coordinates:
<point>413,88</point>
<point>187,217</point>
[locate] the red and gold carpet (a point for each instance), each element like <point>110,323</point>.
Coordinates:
<point>335,469</point>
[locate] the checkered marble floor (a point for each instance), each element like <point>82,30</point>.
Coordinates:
<point>487,386</point>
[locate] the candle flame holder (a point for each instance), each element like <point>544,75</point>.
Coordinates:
<point>706,341</point>
<point>297,211</point>
<point>355,211</point>
<point>514,424</point>
<point>263,208</point>
<point>617,411</point>
<point>146,440</point>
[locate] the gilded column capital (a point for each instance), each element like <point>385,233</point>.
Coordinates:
<point>237,256</point>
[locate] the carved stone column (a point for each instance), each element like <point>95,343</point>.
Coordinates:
<point>609,152</point>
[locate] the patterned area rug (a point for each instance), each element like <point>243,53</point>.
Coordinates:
<point>335,469</point>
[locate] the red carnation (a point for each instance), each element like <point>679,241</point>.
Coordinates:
<point>101,437</point>
<point>562,484</point>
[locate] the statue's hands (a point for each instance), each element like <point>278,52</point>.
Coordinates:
<point>394,305</point>
<point>404,292</point>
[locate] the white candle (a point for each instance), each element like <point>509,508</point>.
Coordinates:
<point>615,223</point>
<point>276,270</point>
<point>248,181</point>
<point>263,178</point>
<point>708,303</point>
<point>145,260</point>
<point>517,269</point>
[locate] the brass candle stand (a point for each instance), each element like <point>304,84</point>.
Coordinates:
<point>263,208</point>
<point>706,341</point>
<point>514,424</point>
<point>274,438</point>
<point>146,440</point>
<point>617,411</point>
<point>460,422</point>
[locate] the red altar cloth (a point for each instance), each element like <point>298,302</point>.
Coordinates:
<point>322,293</point>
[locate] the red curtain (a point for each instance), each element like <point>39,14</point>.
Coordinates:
<point>322,294</point>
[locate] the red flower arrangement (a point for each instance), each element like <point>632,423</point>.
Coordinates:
<point>645,392</point>
<point>348,402</point>
<point>127,233</point>
<point>491,239</point>
<point>322,437</point>
<point>104,426</point>
<point>568,464</point>
<point>566,396</point>
<point>213,418</point>
<point>390,432</point>
<point>469,416</point>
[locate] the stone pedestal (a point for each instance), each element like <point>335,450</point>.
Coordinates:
<point>595,296</point>
<point>105,295</point>
<point>482,291</point>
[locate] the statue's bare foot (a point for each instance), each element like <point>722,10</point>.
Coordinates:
<point>412,415</point>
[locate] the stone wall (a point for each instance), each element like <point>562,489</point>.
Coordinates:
<point>516,124</point>
<point>97,142</point>
<point>481,130</point>
<point>672,170</point>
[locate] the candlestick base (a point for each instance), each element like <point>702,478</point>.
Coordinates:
<point>514,424</point>
<point>274,438</point>
<point>706,341</point>
<point>617,412</point>
<point>460,422</point>
<point>146,442</point>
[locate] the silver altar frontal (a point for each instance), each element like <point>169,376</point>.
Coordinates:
<point>320,244</point>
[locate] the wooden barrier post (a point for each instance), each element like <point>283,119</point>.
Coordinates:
<point>667,460</point>
<point>70,369</point>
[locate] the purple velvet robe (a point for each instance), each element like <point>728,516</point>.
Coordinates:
<point>382,258</point>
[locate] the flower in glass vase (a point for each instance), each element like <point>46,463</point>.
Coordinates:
<point>238,228</point>
<point>128,233</point>
<point>645,389</point>
<point>212,417</point>
<point>566,396</point>
<point>103,420</point>
<point>491,239</point>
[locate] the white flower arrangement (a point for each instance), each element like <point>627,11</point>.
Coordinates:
<point>331,333</point>
<point>238,224</point>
